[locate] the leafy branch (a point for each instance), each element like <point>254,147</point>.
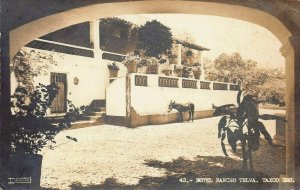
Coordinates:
<point>242,124</point>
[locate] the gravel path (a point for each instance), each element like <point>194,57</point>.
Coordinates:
<point>128,155</point>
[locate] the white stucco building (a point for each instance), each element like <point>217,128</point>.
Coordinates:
<point>131,99</point>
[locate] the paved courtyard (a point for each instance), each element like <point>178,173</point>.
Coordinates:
<point>130,156</point>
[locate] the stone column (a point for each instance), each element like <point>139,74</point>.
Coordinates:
<point>291,51</point>
<point>100,64</point>
<point>179,47</point>
<point>200,59</point>
<point>95,38</point>
<point>295,41</point>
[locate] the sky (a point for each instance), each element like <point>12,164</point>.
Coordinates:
<point>221,35</point>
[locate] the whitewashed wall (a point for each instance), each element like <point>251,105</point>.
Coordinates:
<point>92,74</point>
<point>153,99</point>
<point>116,97</point>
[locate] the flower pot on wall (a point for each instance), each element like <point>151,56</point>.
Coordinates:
<point>153,69</point>
<point>168,72</point>
<point>178,72</point>
<point>132,67</point>
<point>173,60</point>
<point>197,74</point>
<point>113,73</point>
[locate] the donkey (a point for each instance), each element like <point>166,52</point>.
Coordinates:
<point>183,108</point>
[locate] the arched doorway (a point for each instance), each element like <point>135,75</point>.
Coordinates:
<point>26,33</point>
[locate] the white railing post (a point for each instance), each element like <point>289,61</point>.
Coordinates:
<point>198,84</point>
<point>152,80</point>
<point>211,85</point>
<point>180,82</point>
<point>132,79</point>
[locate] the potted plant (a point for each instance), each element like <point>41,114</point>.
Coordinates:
<point>168,72</point>
<point>243,124</point>
<point>173,59</point>
<point>30,131</point>
<point>186,72</point>
<point>153,65</point>
<point>169,69</point>
<point>131,62</point>
<point>113,69</point>
<point>143,66</point>
<point>178,70</point>
<point>196,70</point>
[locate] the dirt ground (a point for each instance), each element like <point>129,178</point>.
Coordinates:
<point>129,157</point>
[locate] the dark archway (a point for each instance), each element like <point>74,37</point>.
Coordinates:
<point>282,19</point>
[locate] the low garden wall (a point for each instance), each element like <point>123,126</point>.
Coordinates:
<point>148,97</point>
<point>280,135</point>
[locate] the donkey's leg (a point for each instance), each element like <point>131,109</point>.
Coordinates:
<point>181,116</point>
<point>190,114</point>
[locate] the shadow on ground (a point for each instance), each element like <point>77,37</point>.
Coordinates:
<point>182,173</point>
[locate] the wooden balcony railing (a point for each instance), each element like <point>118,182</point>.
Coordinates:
<point>60,47</point>
<point>220,86</point>
<point>234,87</point>
<point>141,80</point>
<point>189,83</point>
<point>113,56</point>
<point>204,85</point>
<point>168,82</point>
<point>172,82</point>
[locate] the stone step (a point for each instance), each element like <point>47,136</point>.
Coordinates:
<point>99,121</point>
<point>99,109</point>
<point>94,113</point>
<point>86,123</point>
<point>81,124</point>
<point>93,118</point>
<point>98,103</point>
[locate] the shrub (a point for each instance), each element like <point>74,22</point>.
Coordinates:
<point>30,130</point>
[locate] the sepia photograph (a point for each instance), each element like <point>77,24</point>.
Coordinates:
<point>150,94</point>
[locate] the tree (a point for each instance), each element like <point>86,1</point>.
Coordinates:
<point>273,92</point>
<point>254,80</point>
<point>117,35</point>
<point>108,24</point>
<point>154,39</point>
